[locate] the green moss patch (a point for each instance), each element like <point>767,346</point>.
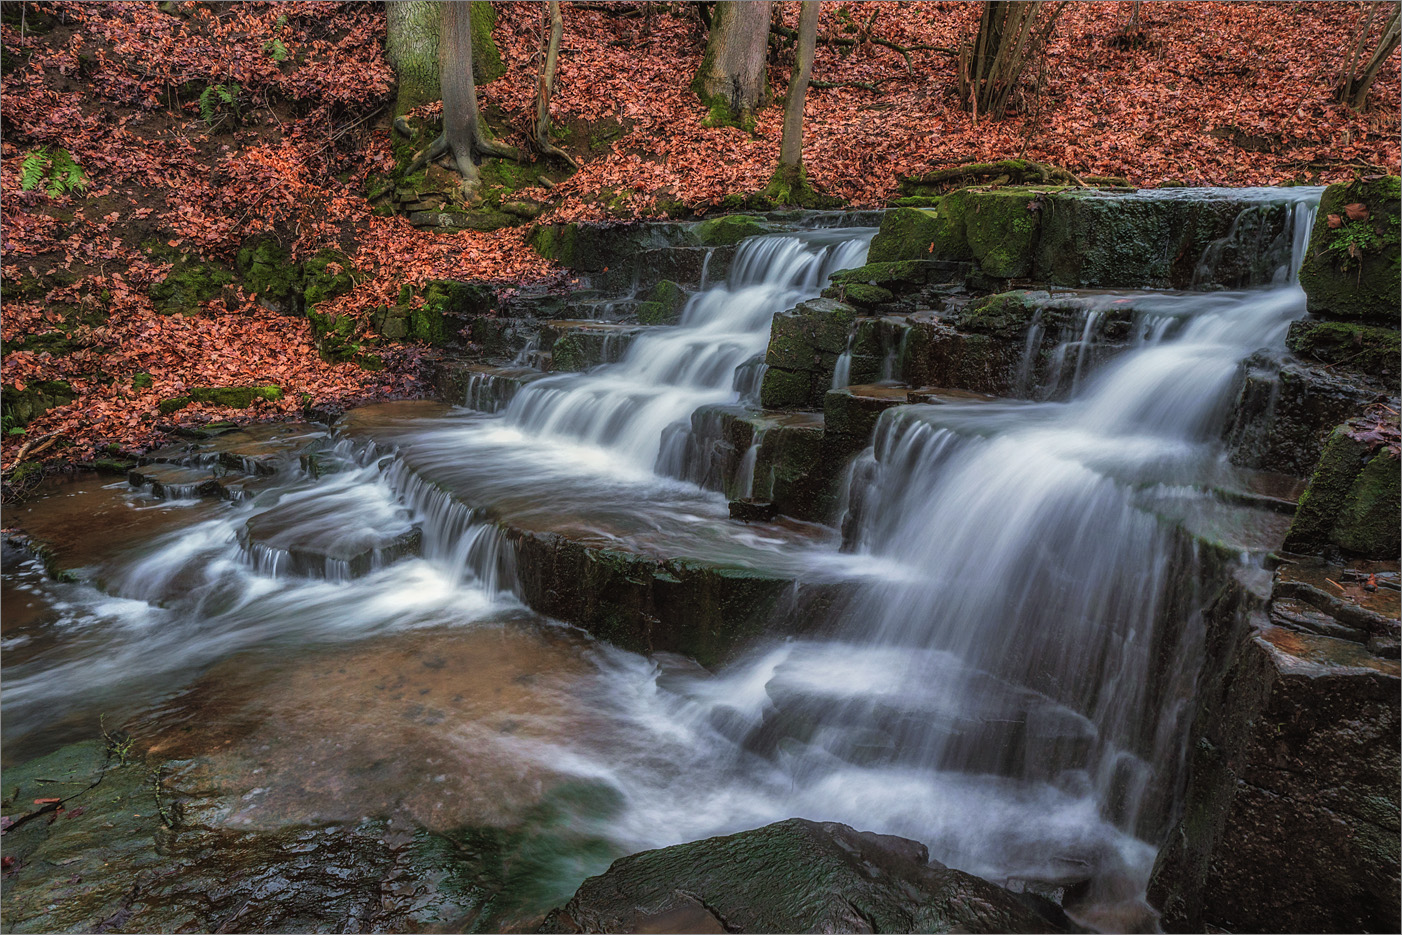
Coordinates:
<point>729,229</point>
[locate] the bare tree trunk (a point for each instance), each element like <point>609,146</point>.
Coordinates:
<point>411,48</point>
<point>460,117</point>
<point>1011,33</point>
<point>731,80</point>
<point>1356,83</point>
<point>791,148</point>
<point>545,83</point>
<point>463,136</point>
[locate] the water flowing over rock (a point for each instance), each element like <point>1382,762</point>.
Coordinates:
<point>906,545</point>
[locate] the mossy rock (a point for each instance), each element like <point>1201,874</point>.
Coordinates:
<point>1006,315</point>
<point>56,343</point>
<point>860,293</point>
<point>1352,500</point>
<point>1367,522</point>
<point>1364,348</point>
<point>20,407</point>
<point>1352,270</point>
<point>910,272</point>
<point>234,397</point>
<point>187,285</point>
<point>934,232</point>
<point>267,270</point>
<point>1001,228</point>
<point>321,282</point>
<point>729,229</point>
<point>785,389</point>
<point>663,305</point>
<point>141,381</point>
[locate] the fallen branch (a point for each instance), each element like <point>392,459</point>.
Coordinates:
<point>864,85</point>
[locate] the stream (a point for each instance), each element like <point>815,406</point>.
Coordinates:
<point>987,683</point>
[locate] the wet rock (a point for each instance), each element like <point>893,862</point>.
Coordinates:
<point>182,870</point>
<point>797,876</point>
<point>751,510</point>
<point>173,482</point>
<point>1353,499</point>
<point>850,414</point>
<point>304,539</point>
<point>1351,270</point>
<point>1157,240</point>
<point>1287,409</point>
<point>1290,817</point>
<point>576,346</point>
<point>1348,345</point>
<point>646,604</point>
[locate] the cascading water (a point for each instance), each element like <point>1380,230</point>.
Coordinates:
<point>990,688</point>
<point>664,377</point>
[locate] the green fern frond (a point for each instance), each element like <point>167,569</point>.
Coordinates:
<point>33,169</point>
<point>276,49</point>
<point>207,97</point>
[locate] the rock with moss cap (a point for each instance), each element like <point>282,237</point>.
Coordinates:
<point>1351,270</point>
<point>729,229</point>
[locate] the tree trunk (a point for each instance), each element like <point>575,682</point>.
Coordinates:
<point>1011,34</point>
<point>545,82</point>
<point>731,80</point>
<point>411,47</point>
<point>1356,84</point>
<point>460,117</point>
<point>463,137</point>
<point>791,148</point>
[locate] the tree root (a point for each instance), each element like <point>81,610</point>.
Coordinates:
<point>994,174</point>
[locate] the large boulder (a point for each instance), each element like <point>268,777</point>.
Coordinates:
<point>797,876</point>
<point>1352,268</point>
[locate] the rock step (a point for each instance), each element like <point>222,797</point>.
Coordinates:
<point>648,568</point>
<point>256,449</point>
<point>324,537</point>
<point>575,345</point>
<point>483,387</point>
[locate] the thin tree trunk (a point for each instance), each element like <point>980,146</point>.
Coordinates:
<point>1011,33</point>
<point>791,147</point>
<point>731,80</point>
<point>411,47</point>
<point>1356,84</point>
<point>460,116</point>
<point>545,83</point>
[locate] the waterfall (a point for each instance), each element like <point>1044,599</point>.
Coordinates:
<point>663,377</point>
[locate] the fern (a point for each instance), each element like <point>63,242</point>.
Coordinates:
<point>65,176</point>
<point>214,95</point>
<point>276,49</point>
<point>207,97</point>
<point>33,169</point>
<point>56,172</point>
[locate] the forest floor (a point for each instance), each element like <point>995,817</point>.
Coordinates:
<point>200,127</point>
